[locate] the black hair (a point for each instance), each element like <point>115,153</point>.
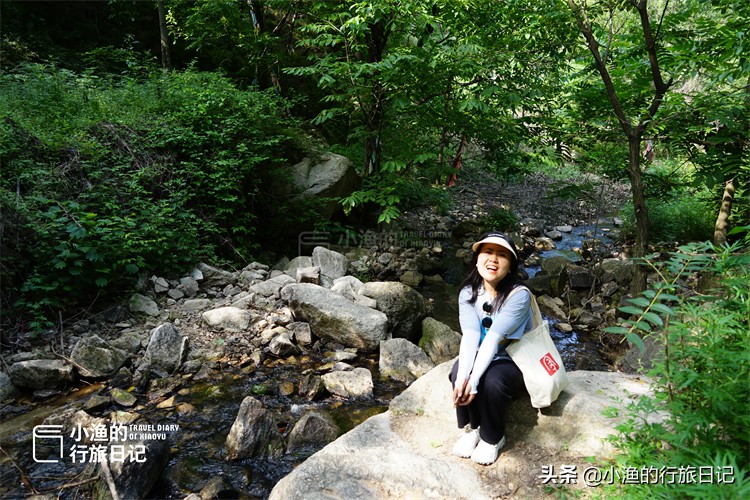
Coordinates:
<point>508,283</point>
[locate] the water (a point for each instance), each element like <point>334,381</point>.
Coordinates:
<point>198,452</point>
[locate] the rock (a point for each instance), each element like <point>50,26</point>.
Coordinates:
<point>404,307</point>
<point>332,317</point>
<point>214,277</point>
<point>129,342</point>
<point>411,444</point>
<point>327,178</point>
<point>133,478</point>
<point>314,429</point>
<point>301,332</point>
<point>411,278</point>
<point>311,386</point>
<point>554,235</point>
<point>7,389</point>
<point>356,383</point>
<point>228,318</point>
<point>554,265</point>
<point>578,277</point>
<point>439,341</point>
<point>619,271</point>
<point>541,284</point>
<point>253,433</point>
<point>122,397</point>
<point>189,286</point>
<point>165,353</point>
<point>403,361</point>
<point>141,303</point>
<point>347,286</point>
<point>41,373</point>
<point>532,227</point>
<point>197,304</point>
<point>301,262</point>
<point>282,346</point>
<point>543,243</point>
<point>564,228</point>
<point>308,275</point>
<point>550,307</point>
<point>94,357</point>
<point>332,264</point>
<point>160,284</point>
<point>175,294</point>
<point>272,287</point>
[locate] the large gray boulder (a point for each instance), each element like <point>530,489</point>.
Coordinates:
<point>228,318</point>
<point>332,264</point>
<point>356,383</point>
<point>97,358</point>
<point>403,361</point>
<point>411,444</point>
<point>404,307</point>
<point>327,178</point>
<point>333,317</point>
<point>166,351</point>
<point>439,341</point>
<point>315,429</point>
<point>214,277</point>
<point>133,478</point>
<point>41,373</point>
<point>253,433</point>
<point>7,389</point>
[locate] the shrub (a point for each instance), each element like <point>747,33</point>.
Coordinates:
<point>683,219</point>
<point>700,380</point>
<point>499,219</point>
<point>106,179</point>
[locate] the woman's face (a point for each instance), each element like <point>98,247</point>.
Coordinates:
<point>493,263</point>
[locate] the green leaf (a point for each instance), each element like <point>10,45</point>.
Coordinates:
<point>619,330</point>
<point>640,301</point>
<point>636,341</point>
<point>652,318</point>
<point>631,310</point>
<point>662,308</point>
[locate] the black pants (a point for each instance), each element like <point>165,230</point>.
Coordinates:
<point>501,382</point>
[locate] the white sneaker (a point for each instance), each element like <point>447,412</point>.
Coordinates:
<point>466,443</point>
<point>486,453</point>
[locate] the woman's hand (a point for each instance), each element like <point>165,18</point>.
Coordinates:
<point>461,396</point>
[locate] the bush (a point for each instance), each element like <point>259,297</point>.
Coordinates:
<point>683,219</point>
<point>499,219</point>
<point>107,179</point>
<point>701,379</point>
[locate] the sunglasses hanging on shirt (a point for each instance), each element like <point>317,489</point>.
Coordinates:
<point>487,320</point>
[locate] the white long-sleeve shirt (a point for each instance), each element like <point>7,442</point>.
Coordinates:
<point>511,322</point>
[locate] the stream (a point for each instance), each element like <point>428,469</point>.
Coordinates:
<point>198,452</point>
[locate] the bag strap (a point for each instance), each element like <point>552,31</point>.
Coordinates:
<point>536,315</point>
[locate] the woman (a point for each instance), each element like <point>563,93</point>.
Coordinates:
<point>484,378</point>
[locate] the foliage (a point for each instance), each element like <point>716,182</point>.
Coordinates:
<point>697,416</point>
<point>104,179</point>
<point>682,219</point>
<point>499,219</point>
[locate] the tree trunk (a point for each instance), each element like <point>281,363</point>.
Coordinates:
<point>722,222</point>
<point>641,211</point>
<point>166,59</point>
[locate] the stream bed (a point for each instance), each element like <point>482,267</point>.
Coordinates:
<point>209,408</point>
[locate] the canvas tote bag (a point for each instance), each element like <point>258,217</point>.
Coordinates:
<point>539,361</point>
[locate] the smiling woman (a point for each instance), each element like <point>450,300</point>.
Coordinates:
<point>484,378</point>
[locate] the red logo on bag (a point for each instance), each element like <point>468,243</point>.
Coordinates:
<point>549,364</point>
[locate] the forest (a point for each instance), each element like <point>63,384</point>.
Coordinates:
<point>145,136</point>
